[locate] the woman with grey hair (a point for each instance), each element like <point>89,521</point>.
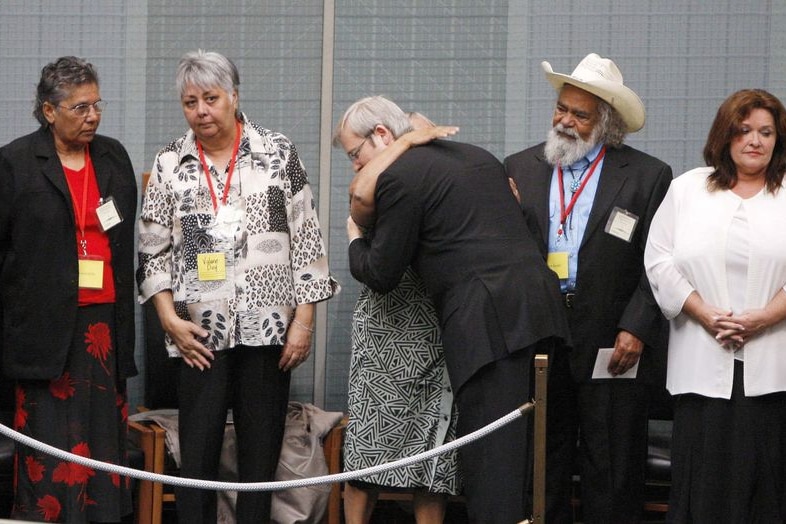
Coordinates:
<point>231,253</point>
<point>67,299</point>
<point>399,399</point>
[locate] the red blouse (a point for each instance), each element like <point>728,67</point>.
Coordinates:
<point>97,241</point>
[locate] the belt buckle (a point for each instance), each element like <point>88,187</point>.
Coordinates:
<point>568,298</point>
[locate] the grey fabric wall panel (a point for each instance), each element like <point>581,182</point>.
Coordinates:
<point>473,64</point>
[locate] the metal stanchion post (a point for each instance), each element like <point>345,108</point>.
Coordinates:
<point>539,473</point>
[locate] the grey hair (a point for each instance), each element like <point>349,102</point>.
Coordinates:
<point>612,128</point>
<point>57,80</point>
<point>364,115</point>
<point>206,70</point>
<point>414,115</point>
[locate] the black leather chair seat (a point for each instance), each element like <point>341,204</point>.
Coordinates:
<point>658,468</point>
<point>659,451</point>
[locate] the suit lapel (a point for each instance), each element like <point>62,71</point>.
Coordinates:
<point>541,188</point>
<point>102,169</point>
<point>613,177</point>
<point>51,167</point>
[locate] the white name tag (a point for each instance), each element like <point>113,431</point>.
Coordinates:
<point>108,215</point>
<point>621,224</point>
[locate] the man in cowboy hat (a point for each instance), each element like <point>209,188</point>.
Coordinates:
<point>589,200</point>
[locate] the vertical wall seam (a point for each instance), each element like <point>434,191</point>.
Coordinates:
<point>325,128</point>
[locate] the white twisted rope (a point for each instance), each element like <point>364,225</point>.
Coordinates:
<point>267,486</point>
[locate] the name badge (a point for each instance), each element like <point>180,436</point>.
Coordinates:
<point>91,273</point>
<point>558,263</point>
<point>108,215</point>
<point>211,266</point>
<point>621,224</point>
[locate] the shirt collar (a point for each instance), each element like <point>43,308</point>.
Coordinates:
<point>591,156</point>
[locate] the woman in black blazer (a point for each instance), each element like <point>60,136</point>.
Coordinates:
<point>67,298</point>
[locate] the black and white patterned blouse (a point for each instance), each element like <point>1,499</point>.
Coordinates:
<point>277,259</point>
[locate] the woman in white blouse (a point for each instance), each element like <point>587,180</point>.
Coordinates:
<point>716,259</point>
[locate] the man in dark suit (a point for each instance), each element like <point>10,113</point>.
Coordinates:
<point>445,209</point>
<point>589,201</point>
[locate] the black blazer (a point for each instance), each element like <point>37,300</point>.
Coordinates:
<point>446,209</point>
<point>38,257</point>
<point>612,290</point>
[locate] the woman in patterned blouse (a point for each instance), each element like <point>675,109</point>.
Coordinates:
<point>231,253</point>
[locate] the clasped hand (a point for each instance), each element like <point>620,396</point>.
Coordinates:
<point>733,331</point>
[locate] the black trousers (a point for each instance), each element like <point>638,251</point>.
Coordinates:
<point>247,380</point>
<point>496,479</point>
<point>608,419</point>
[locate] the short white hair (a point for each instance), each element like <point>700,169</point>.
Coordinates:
<point>364,115</point>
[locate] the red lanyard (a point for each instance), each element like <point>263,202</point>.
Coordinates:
<point>563,211</point>
<point>231,169</point>
<point>81,211</point>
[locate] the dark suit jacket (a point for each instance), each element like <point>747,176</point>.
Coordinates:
<point>38,256</point>
<point>612,290</point>
<point>446,208</point>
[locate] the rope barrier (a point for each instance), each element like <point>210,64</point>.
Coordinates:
<point>267,486</point>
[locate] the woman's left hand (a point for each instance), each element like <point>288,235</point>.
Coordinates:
<point>753,322</point>
<point>424,135</point>
<point>750,323</point>
<point>297,347</point>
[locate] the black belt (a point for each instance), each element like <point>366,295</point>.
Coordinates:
<point>568,299</point>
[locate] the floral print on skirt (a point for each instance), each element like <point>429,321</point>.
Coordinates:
<point>83,411</point>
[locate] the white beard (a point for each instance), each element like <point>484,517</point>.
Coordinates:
<point>564,150</point>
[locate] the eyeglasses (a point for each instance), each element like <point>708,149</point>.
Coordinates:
<point>355,153</point>
<point>82,110</point>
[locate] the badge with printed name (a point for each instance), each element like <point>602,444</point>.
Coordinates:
<point>211,266</point>
<point>91,273</point>
<point>558,263</point>
<point>621,224</point>
<point>108,215</point>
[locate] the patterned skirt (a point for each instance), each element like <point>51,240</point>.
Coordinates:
<point>400,402</point>
<point>83,411</point>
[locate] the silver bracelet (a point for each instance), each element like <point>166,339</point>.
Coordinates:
<point>310,330</point>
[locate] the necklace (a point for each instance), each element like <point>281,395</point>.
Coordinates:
<point>576,181</point>
<point>566,211</point>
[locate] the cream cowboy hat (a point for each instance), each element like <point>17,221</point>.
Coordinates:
<point>602,78</point>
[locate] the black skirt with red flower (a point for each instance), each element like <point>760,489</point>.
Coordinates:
<point>83,411</point>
